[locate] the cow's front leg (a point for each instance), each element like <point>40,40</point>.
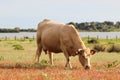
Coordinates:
<point>68,64</point>
<point>38,52</point>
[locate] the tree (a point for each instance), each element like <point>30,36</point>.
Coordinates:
<point>117,24</point>
<point>17,29</point>
<point>74,24</point>
<point>109,23</point>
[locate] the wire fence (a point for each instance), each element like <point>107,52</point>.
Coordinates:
<point>34,37</point>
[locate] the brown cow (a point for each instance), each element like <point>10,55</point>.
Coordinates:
<point>57,37</point>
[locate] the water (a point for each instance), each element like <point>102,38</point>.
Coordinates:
<point>103,35</point>
<point>110,35</point>
<point>18,35</point>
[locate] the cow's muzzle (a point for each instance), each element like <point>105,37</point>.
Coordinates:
<point>87,67</point>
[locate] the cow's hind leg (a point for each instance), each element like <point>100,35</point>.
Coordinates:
<point>50,57</point>
<point>38,52</point>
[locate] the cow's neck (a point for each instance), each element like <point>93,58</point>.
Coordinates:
<point>80,44</point>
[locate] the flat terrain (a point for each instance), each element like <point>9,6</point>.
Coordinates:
<point>16,64</point>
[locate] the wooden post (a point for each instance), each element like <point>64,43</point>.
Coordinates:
<point>5,37</point>
<point>97,37</point>
<point>24,38</point>
<point>106,37</point>
<point>33,37</point>
<point>116,37</point>
<point>88,37</point>
<point>15,37</point>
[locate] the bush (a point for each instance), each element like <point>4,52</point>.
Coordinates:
<point>18,47</point>
<point>114,48</point>
<point>99,47</point>
<point>30,40</point>
<point>107,48</point>
<point>92,41</point>
<point>26,37</point>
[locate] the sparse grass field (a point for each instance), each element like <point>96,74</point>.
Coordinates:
<point>18,64</point>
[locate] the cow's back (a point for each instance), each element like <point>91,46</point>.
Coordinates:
<point>48,33</point>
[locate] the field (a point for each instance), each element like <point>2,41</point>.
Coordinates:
<point>17,63</point>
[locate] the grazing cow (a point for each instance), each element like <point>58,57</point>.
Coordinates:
<point>57,37</point>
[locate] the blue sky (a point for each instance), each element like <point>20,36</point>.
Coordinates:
<point>28,13</point>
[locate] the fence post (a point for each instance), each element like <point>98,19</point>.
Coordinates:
<point>5,37</point>
<point>33,37</point>
<point>15,37</point>
<point>88,37</point>
<point>106,37</point>
<point>116,37</point>
<point>97,37</point>
<point>24,38</point>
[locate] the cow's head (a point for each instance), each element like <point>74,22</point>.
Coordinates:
<point>84,57</point>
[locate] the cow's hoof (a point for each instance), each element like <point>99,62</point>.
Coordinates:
<point>68,66</point>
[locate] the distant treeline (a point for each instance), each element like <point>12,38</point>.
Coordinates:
<point>16,29</point>
<point>105,26</point>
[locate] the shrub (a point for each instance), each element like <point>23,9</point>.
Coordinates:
<point>114,48</point>
<point>107,48</point>
<point>26,37</point>
<point>92,41</point>
<point>30,40</point>
<point>18,47</point>
<point>99,47</point>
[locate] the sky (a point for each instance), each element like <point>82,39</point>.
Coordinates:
<point>28,13</point>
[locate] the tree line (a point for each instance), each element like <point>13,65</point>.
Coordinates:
<point>105,26</point>
<point>16,29</point>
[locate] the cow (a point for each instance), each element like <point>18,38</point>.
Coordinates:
<point>58,37</point>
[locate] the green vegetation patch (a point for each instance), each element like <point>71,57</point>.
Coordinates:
<point>18,47</point>
<point>1,58</point>
<point>93,41</point>
<point>113,64</point>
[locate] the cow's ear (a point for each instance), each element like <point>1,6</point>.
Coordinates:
<point>92,52</point>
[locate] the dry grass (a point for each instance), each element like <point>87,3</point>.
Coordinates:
<point>30,71</point>
<point>19,65</point>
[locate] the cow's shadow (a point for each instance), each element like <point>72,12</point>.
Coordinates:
<point>33,65</point>
<point>24,65</point>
